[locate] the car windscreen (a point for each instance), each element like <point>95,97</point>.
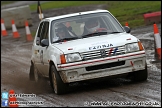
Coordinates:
<point>84,26</point>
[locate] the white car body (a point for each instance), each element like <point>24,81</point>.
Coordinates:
<point>118,62</point>
<point>76,71</point>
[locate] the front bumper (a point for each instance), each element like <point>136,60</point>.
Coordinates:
<point>102,67</point>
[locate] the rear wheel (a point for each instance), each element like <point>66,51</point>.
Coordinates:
<point>59,87</point>
<point>33,75</point>
<point>36,76</point>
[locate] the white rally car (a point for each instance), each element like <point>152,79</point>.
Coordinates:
<point>95,45</point>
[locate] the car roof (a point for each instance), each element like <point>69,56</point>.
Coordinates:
<point>74,14</point>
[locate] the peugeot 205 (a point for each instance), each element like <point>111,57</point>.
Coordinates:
<point>83,46</point>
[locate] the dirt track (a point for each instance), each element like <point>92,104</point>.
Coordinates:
<point>15,63</point>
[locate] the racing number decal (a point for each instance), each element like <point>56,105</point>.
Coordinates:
<point>41,56</point>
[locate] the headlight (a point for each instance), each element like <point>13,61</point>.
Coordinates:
<point>72,57</point>
<point>131,47</point>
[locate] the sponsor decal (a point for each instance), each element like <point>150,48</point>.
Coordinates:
<point>100,46</point>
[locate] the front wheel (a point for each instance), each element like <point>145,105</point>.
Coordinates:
<point>58,85</point>
<point>140,75</point>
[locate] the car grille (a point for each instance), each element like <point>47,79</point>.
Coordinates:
<point>104,66</point>
<point>109,52</point>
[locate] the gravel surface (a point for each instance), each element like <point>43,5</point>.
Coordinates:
<point>15,63</point>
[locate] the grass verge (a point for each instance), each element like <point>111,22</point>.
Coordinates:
<point>7,2</point>
<point>125,11</point>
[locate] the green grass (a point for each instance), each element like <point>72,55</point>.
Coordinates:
<point>132,11</point>
<point>33,33</point>
<point>125,11</point>
<point>7,2</point>
<point>63,4</point>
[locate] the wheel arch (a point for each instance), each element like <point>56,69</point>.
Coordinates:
<point>50,64</point>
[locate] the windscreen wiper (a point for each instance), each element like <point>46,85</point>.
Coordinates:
<point>113,32</point>
<point>66,39</point>
<point>94,34</point>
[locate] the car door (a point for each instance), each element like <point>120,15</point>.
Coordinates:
<point>36,48</point>
<point>44,50</point>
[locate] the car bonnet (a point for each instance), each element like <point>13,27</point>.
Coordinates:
<point>95,43</point>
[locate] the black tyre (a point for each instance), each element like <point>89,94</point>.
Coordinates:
<point>34,75</point>
<point>59,87</point>
<point>31,73</point>
<point>140,75</point>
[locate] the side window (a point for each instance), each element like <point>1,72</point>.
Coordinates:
<point>45,30</point>
<point>39,34</point>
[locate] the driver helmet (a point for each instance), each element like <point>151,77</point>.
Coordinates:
<point>92,24</point>
<point>60,29</point>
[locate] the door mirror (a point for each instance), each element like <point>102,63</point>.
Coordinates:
<point>127,29</point>
<point>44,42</point>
